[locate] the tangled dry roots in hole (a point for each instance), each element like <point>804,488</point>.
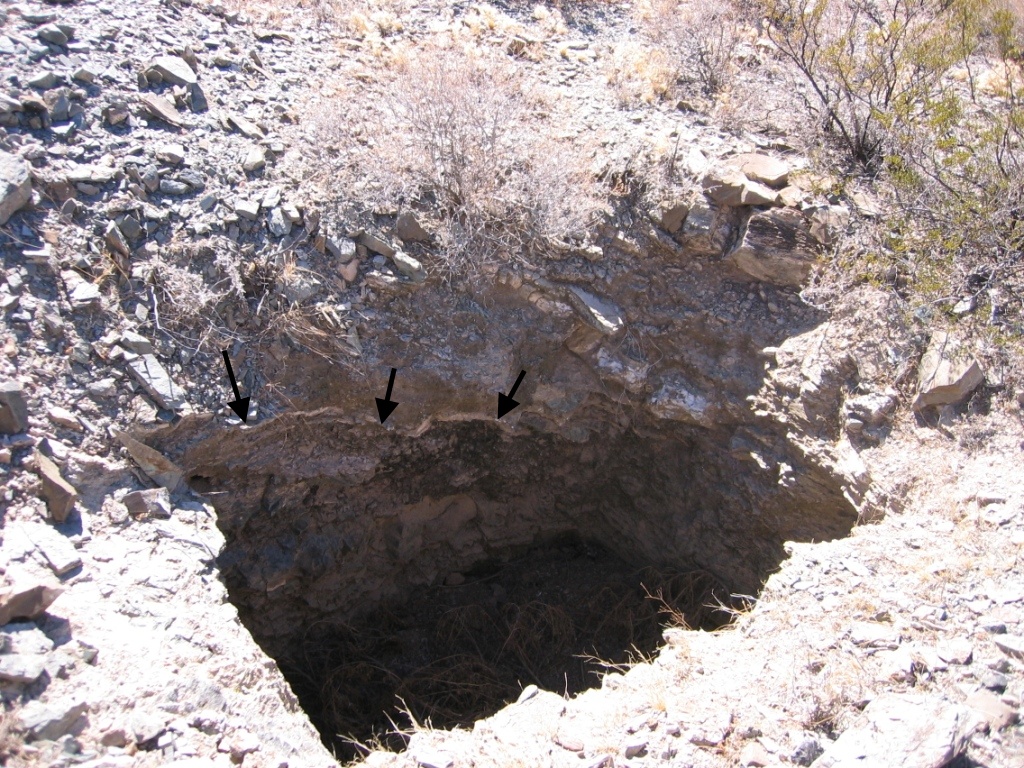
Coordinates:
<point>467,661</point>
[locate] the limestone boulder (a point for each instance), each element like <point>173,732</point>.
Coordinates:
<point>763,169</point>
<point>947,373</point>
<point>776,247</point>
<point>730,187</point>
<point>902,731</point>
<point>24,596</point>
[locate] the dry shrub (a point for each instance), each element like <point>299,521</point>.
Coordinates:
<point>11,740</point>
<point>639,73</point>
<point>456,689</point>
<point>190,280</point>
<point>700,36</point>
<point>469,141</point>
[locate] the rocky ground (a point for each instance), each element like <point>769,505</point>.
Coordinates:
<point>165,194</point>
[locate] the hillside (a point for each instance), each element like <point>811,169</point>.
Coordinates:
<point>440,384</point>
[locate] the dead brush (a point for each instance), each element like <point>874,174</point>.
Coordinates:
<point>456,689</point>
<point>11,740</point>
<point>469,627</point>
<point>469,137</point>
<point>688,599</point>
<point>699,37</point>
<point>538,635</point>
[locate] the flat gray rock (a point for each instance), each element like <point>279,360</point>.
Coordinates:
<point>148,371</point>
<point>15,185</point>
<point>21,668</point>
<point>174,70</point>
<point>58,551</point>
<point>50,721</point>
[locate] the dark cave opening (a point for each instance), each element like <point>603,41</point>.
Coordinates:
<point>439,573</point>
<point>557,615</point>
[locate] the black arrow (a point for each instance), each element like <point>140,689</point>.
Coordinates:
<point>385,407</point>
<point>239,405</point>
<point>505,402</point>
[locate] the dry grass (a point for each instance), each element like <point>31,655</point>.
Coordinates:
<point>640,74</point>
<point>476,658</point>
<point>11,740</point>
<point>470,142</point>
<point>698,37</point>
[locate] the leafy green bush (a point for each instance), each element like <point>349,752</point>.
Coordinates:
<point>924,96</point>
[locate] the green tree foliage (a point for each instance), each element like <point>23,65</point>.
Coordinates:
<point>925,95</point>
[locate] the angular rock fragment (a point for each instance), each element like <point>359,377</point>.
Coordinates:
<point>255,159</point>
<point>992,710</point>
<point>947,374</point>
<point>828,222</point>
<point>52,33</point>
<point>278,224</point>
<point>409,266</point>
<point>23,596</point>
<point>1011,645</point>
<point>163,109</point>
<point>148,371</point>
<point>197,101</point>
<point>172,154</point>
<point>245,127</point>
<point>341,247</point>
<point>114,239</point>
<point>162,470</point>
<point>731,187</point>
<point>374,244</point>
<point>761,168</point>
<point>50,721</point>
<point>248,209</point>
<point>59,494</point>
<point>299,285</point>
<point>13,408</point>
<point>599,313</point>
<point>408,229</point>
<point>350,271</point>
<point>775,247</point>
<point>173,69</point>
<point>671,214</point>
<point>21,668</point>
<point>706,230</point>
<point>15,185</point>
<point>55,548</point>
<point>902,730</point>
<point>873,409</point>
<point>62,417</point>
<point>151,503</point>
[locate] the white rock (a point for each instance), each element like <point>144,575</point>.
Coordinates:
<point>901,731</point>
<point>409,266</point>
<point>21,668</point>
<point>947,373</point>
